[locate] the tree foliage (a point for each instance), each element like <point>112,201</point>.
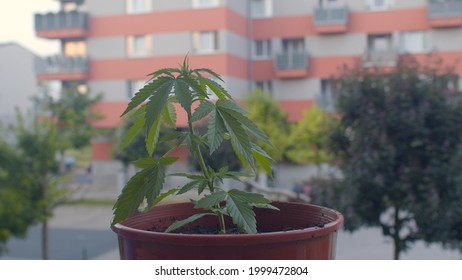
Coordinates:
<point>399,141</point>
<point>309,137</point>
<point>28,176</point>
<point>266,112</point>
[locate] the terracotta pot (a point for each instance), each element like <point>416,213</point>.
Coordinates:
<point>315,240</point>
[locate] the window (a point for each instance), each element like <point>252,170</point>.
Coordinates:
<point>133,87</point>
<point>327,99</point>
<point>375,5</point>
<point>205,41</point>
<point>295,45</point>
<point>330,3</point>
<point>381,42</point>
<point>138,6</point>
<point>75,48</point>
<point>261,8</point>
<point>262,49</point>
<point>413,42</point>
<point>204,3</point>
<point>266,86</point>
<point>139,46</point>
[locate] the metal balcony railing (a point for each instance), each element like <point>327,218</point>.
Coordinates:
<point>291,60</point>
<point>57,64</point>
<point>380,57</point>
<point>61,20</point>
<point>329,16</point>
<point>444,9</point>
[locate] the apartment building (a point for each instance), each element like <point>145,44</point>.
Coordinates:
<point>18,81</point>
<point>288,47</point>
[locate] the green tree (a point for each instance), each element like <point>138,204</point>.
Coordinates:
<point>29,178</point>
<point>309,138</point>
<point>72,112</point>
<point>272,119</point>
<point>399,142</point>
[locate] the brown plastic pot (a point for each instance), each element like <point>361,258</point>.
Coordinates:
<point>315,237</point>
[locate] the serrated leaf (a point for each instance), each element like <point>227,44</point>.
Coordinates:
<point>202,185</point>
<point>158,102</point>
<point>153,137</point>
<point>154,183</point>
<point>241,212</point>
<point>145,92</point>
<point>265,206</point>
<point>164,161</point>
<point>211,200</point>
<point>219,91</point>
<point>162,197</point>
<point>202,110</point>
<point>183,95</point>
<point>133,131</point>
<point>262,158</point>
<point>178,224</point>
<point>164,71</point>
<point>189,186</point>
<point>249,197</point>
<point>216,130</point>
<point>195,85</point>
<point>239,137</point>
<point>134,193</point>
<point>169,115</point>
<point>189,176</point>
<point>145,162</point>
<point>238,113</point>
<point>209,71</point>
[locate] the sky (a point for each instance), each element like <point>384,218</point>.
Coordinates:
<point>17,24</point>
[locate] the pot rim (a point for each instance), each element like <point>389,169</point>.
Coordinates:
<point>236,239</point>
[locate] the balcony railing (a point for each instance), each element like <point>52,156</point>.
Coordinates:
<point>61,67</point>
<point>291,60</point>
<point>50,22</point>
<point>444,9</point>
<point>330,16</point>
<point>444,14</point>
<point>292,65</point>
<point>380,57</point>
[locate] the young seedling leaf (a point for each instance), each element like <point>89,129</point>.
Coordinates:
<point>241,213</point>
<point>216,88</point>
<point>133,131</point>
<point>161,197</point>
<point>202,111</point>
<point>169,115</point>
<point>216,131</point>
<point>209,71</point>
<point>145,162</point>
<point>153,137</point>
<point>178,224</point>
<point>249,197</point>
<point>158,102</point>
<point>183,95</point>
<point>154,184</point>
<point>211,200</point>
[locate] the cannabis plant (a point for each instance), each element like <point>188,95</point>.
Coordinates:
<point>153,106</point>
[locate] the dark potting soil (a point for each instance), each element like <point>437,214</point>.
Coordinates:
<point>214,231</point>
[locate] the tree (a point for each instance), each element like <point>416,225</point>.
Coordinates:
<point>72,112</point>
<point>308,139</point>
<point>269,116</point>
<point>29,178</point>
<point>399,142</point>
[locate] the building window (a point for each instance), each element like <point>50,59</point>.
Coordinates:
<point>381,42</point>
<point>261,8</point>
<point>205,42</point>
<point>327,98</point>
<point>75,48</point>
<point>133,87</point>
<point>139,46</point>
<point>262,49</point>
<point>331,3</point>
<point>377,5</point>
<point>266,86</point>
<point>199,4</point>
<point>138,6</point>
<point>413,42</point>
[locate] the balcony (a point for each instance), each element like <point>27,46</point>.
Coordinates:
<point>60,67</point>
<point>380,58</point>
<point>292,65</point>
<point>329,20</point>
<point>445,14</point>
<point>61,25</point>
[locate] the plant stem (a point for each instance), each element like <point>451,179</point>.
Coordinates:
<point>221,218</point>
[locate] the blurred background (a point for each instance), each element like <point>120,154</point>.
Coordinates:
<point>360,97</point>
